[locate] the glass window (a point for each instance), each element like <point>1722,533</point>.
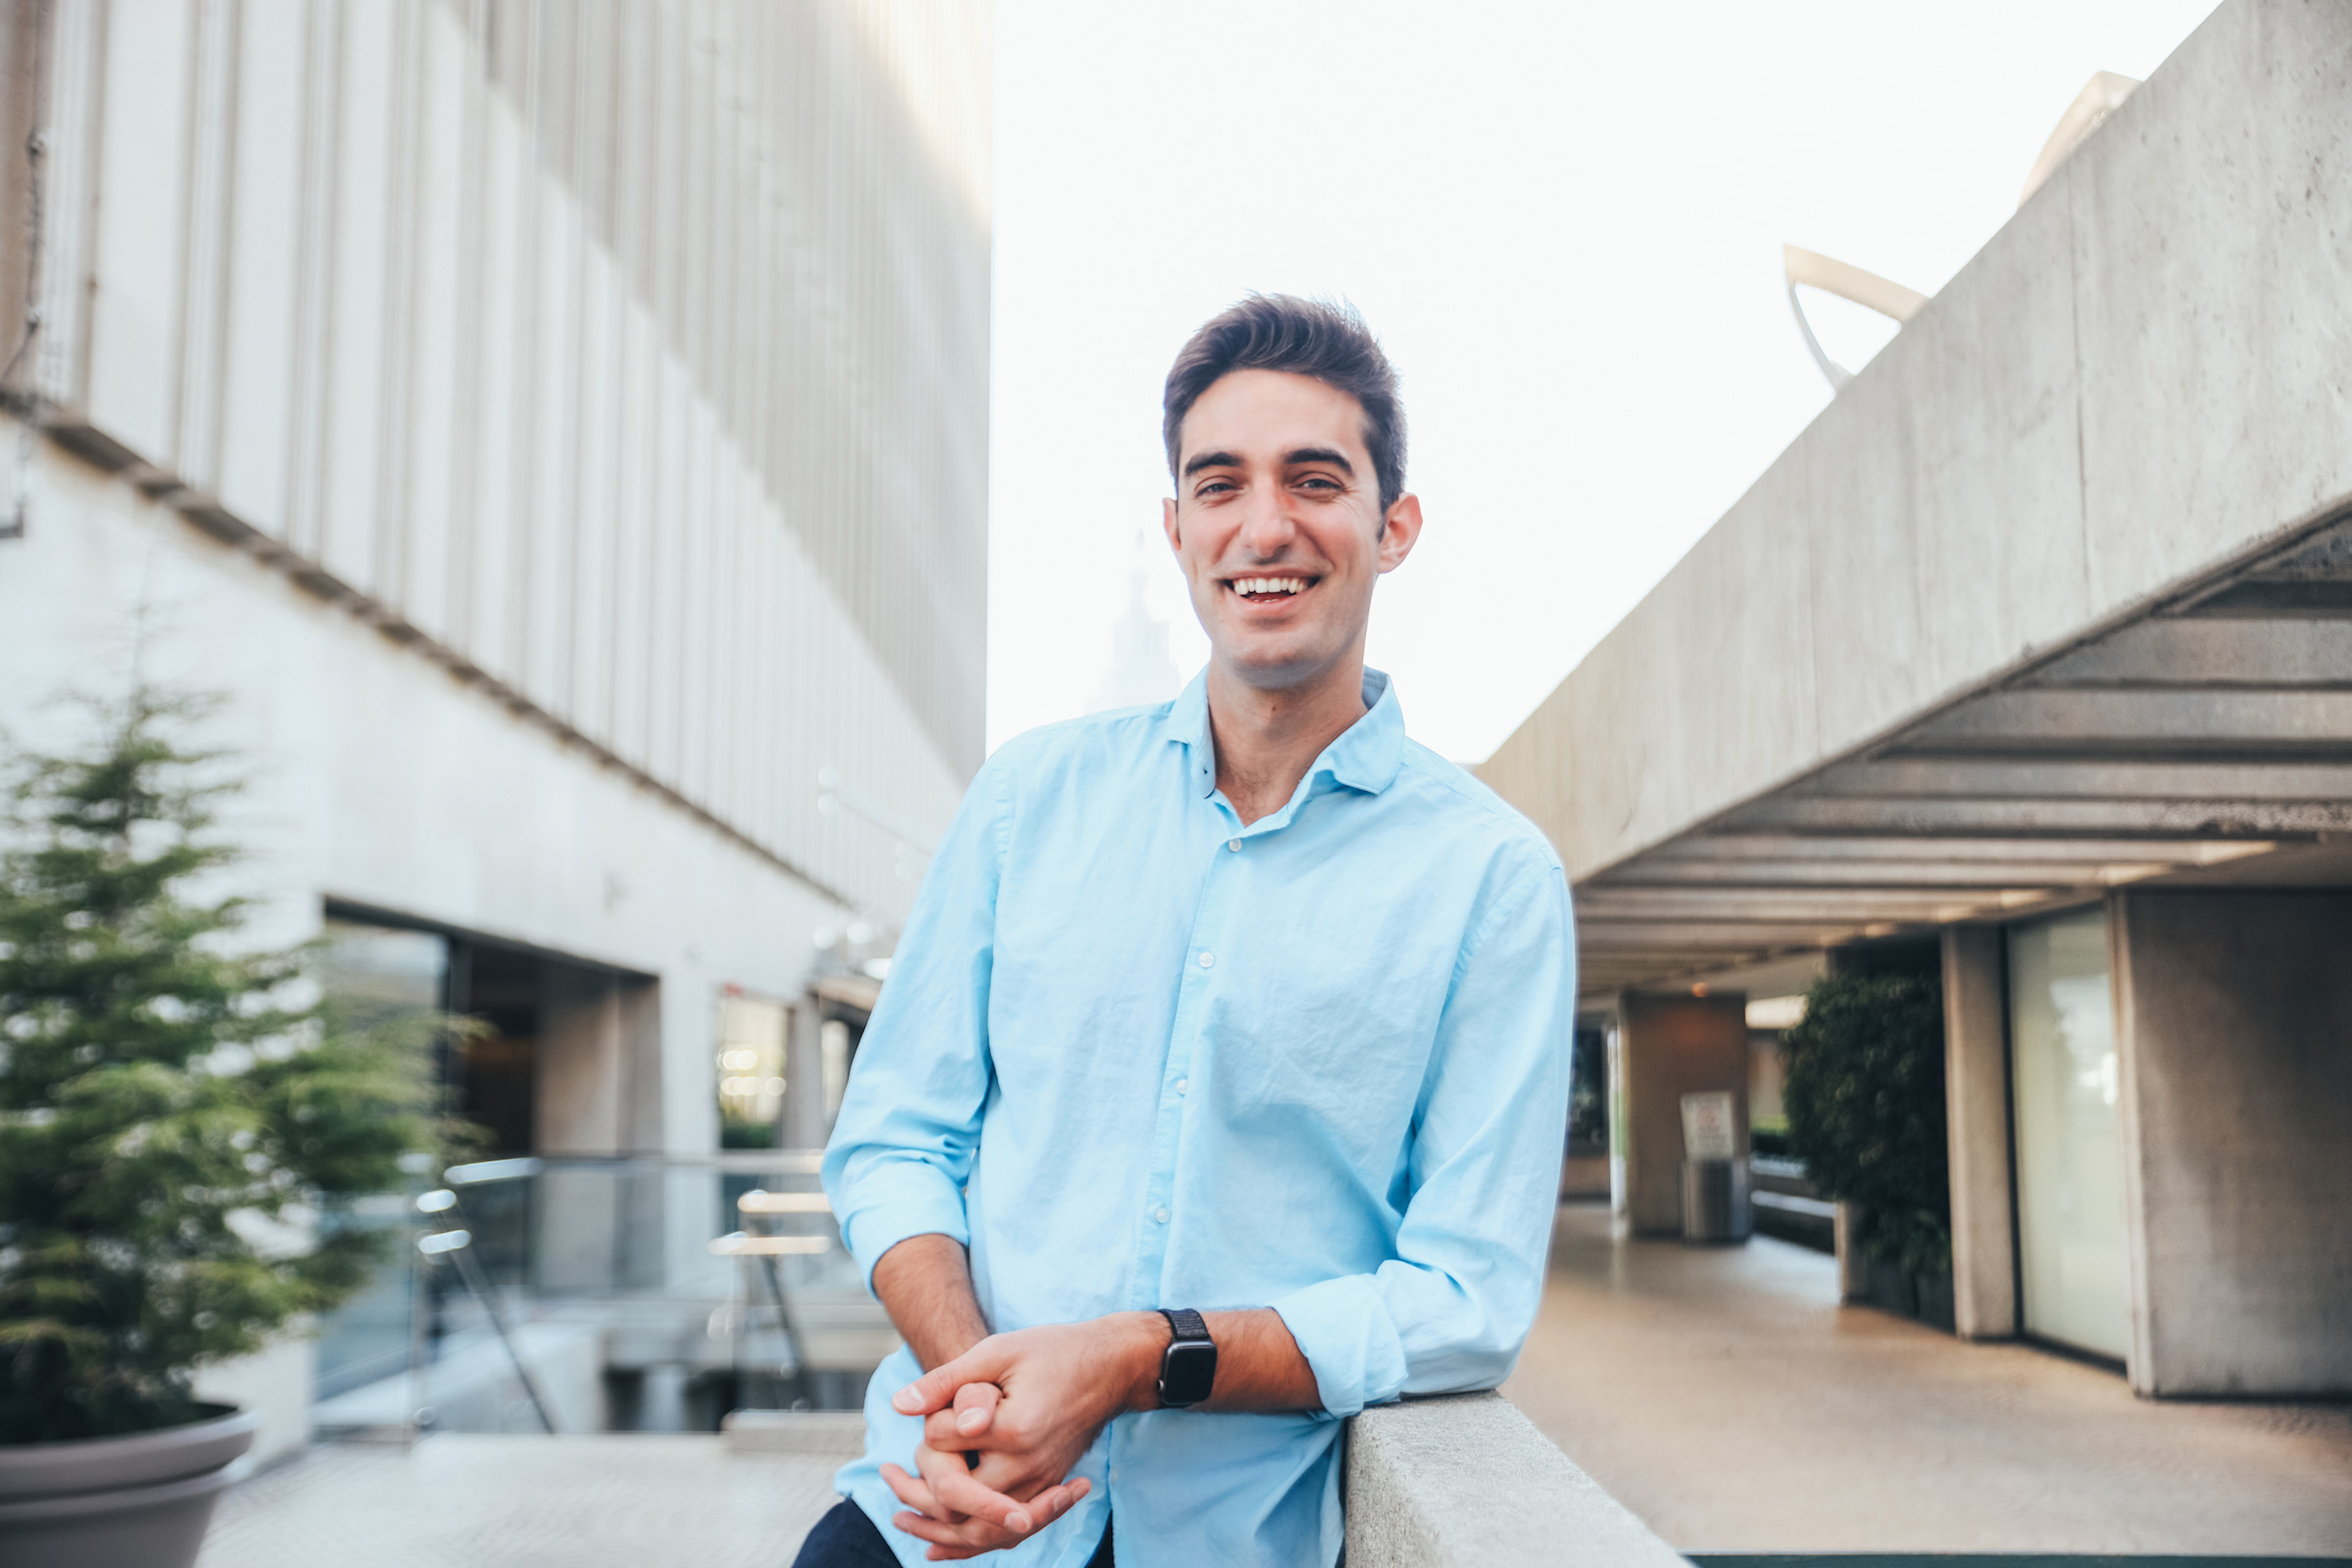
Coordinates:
<point>751,1071</point>
<point>373,977</point>
<point>2069,1159</point>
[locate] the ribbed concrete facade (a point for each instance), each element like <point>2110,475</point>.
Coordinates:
<point>628,359</point>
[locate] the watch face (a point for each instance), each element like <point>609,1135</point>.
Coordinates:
<point>1186,1371</point>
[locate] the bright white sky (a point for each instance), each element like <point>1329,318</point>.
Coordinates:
<point>1564,222</point>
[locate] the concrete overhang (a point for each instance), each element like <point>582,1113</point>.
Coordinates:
<point>2056,595</point>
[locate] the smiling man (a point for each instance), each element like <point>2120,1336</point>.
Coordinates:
<point>1218,1088</point>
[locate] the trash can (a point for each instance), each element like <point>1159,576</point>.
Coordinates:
<point>1715,1203</point>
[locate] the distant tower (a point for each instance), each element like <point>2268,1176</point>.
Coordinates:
<point>1140,670</point>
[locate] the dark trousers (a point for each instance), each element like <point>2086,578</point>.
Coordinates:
<point>844,1538</point>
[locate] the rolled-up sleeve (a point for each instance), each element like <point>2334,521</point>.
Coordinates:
<point>902,1147</point>
<point>1450,1310</point>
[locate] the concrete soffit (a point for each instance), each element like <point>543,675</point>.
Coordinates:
<point>2204,737</point>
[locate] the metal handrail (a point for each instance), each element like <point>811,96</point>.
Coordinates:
<point>766,1249</point>
<point>732,1162</point>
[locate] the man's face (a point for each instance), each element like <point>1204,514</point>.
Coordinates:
<point>1278,525</point>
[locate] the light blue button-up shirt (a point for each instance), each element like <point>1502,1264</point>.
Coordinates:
<point>1136,1054</point>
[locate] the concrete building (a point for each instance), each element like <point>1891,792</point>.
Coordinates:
<point>2036,644</point>
<point>562,432</point>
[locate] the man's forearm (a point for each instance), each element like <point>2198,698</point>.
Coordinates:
<point>925,1284</point>
<point>1260,1366</point>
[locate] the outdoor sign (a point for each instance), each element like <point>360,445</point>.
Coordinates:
<point>1707,1126</point>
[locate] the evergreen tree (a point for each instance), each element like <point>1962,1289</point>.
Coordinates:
<point>175,1112</point>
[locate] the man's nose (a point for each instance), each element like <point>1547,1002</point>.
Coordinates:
<point>1268,527</point>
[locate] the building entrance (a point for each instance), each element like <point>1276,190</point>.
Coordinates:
<point>2069,1159</point>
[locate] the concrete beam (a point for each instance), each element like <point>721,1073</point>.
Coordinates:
<point>1976,1075</point>
<point>1712,936</point>
<point>2082,720</point>
<point>1775,905</point>
<point>1467,1482</point>
<point>2104,779</point>
<point>1773,846</point>
<point>2193,650</point>
<point>2230,819</point>
<point>1892,875</point>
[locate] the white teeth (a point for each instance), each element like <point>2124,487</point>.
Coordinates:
<point>1268,585</point>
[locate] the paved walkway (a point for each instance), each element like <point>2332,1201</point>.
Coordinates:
<point>1725,1396</point>
<point>513,1502</point>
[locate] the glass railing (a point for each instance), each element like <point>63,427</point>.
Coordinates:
<point>601,1294</point>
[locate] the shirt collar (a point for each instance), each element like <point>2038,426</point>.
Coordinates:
<point>1365,756</point>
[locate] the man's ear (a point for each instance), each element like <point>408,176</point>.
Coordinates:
<point>1399,530</point>
<point>1168,523</point>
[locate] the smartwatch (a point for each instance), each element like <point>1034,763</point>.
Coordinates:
<point>1188,1367</point>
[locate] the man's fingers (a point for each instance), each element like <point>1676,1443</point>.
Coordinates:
<point>974,1535</point>
<point>976,1407</point>
<point>952,1483</point>
<point>913,1493</point>
<point>924,1528</point>
<point>964,1495</point>
<point>936,1389</point>
<point>967,1423</point>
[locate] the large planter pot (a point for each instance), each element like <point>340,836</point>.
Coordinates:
<point>136,1502</point>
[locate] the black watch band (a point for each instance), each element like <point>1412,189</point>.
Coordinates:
<point>1188,1367</point>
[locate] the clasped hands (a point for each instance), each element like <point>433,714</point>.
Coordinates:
<point>1024,1406</point>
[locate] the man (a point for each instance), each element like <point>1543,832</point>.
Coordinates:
<point>1224,1060</point>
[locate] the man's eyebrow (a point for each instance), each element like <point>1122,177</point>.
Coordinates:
<point>1335,459</point>
<point>1211,459</point>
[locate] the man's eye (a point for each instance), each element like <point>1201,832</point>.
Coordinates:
<point>1214,487</point>
<point>1316,481</point>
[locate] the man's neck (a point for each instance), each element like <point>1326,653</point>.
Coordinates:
<point>1267,740</point>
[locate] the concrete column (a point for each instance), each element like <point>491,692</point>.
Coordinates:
<point>805,1078</point>
<point>598,1097</point>
<point>2233,1028</point>
<point>1975,1092</point>
<point>582,1073</point>
<point>1669,1047</point>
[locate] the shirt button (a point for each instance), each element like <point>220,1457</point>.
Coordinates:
<point>1208,959</point>
<point>1183,1084</point>
<point>1161,1215</point>
<point>1233,844</point>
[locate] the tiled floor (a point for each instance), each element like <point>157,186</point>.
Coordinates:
<point>1724,1396</point>
<point>514,1501</point>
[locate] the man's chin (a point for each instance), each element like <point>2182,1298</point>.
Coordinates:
<point>1278,669</point>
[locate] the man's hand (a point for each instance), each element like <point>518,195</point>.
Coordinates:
<point>954,1535</point>
<point>1028,1404</point>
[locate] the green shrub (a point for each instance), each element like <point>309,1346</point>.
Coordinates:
<point>1865,1103</point>
<point>174,1110</point>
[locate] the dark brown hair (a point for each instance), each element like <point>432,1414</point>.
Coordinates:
<point>1305,337</point>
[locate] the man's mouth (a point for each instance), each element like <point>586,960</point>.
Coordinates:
<point>1269,590</point>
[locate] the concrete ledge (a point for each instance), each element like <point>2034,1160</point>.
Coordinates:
<point>1467,1482</point>
<point>838,1434</point>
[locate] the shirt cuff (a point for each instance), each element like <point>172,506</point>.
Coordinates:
<point>1344,1330</point>
<point>894,1202</point>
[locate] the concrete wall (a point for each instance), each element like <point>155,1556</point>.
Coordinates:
<point>2235,1028</point>
<point>1669,1047</point>
<point>1997,481</point>
<point>1466,1482</point>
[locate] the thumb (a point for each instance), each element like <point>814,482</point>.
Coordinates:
<point>936,1389</point>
